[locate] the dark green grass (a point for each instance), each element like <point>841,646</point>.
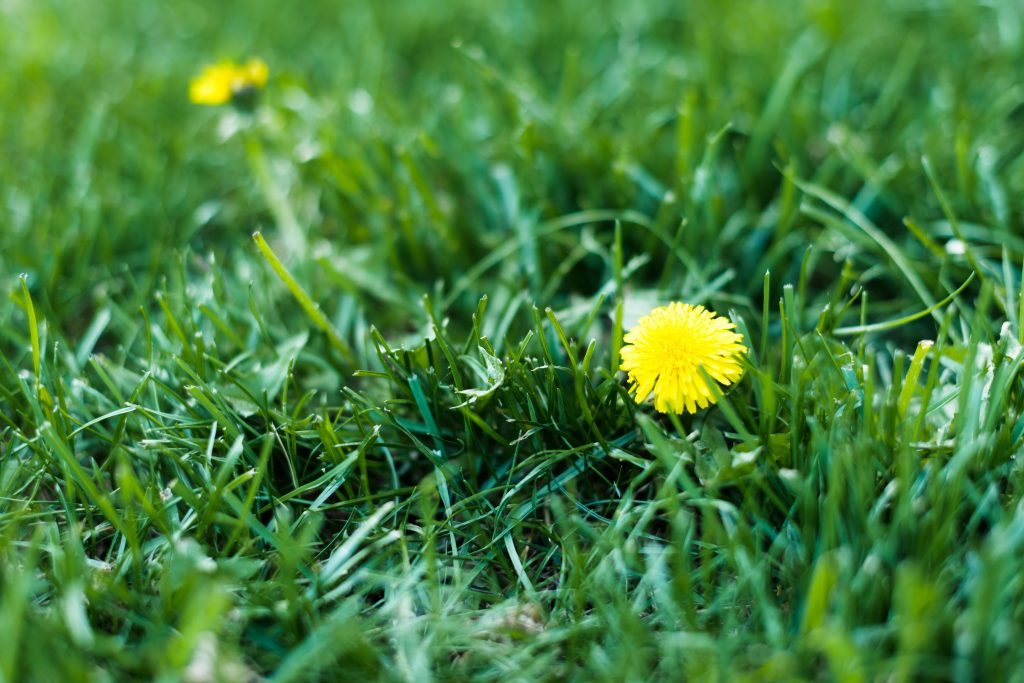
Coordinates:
<point>385,438</point>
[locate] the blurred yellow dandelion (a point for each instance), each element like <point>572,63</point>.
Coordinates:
<point>222,82</point>
<point>665,351</point>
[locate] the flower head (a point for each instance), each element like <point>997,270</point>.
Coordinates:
<point>667,348</point>
<point>223,82</point>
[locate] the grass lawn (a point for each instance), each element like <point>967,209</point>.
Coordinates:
<point>324,385</point>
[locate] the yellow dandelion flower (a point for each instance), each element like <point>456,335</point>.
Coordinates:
<point>667,348</point>
<point>254,73</point>
<point>220,83</point>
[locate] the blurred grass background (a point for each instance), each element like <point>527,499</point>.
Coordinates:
<point>578,109</point>
<point>202,479</point>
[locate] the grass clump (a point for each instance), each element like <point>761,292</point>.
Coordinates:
<point>386,437</point>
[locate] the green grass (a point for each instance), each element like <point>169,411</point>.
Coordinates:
<point>331,392</point>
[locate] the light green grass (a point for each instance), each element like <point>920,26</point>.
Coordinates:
<point>386,440</point>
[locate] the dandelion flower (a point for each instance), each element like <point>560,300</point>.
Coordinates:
<point>667,348</point>
<point>227,81</point>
